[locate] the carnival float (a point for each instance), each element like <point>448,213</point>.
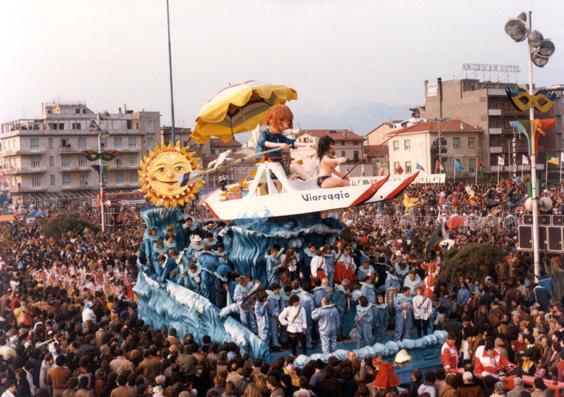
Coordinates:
<point>268,209</point>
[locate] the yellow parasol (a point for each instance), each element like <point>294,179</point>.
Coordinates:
<point>238,108</point>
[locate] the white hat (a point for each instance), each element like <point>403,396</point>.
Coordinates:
<point>467,376</point>
<point>195,238</point>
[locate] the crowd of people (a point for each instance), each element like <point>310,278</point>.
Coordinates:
<point>69,323</point>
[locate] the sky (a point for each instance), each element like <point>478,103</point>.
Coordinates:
<point>335,53</point>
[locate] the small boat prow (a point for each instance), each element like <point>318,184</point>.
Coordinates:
<point>272,194</point>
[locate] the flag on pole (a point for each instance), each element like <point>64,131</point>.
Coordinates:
<point>458,165</point>
<point>500,161</point>
<point>438,166</point>
<point>525,160</point>
<point>399,170</point>
<point>554,160</point>
<point>479,162</point>
<point>562,157</point>
<point>419,167</point>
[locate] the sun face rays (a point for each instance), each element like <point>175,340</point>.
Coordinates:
<point>160,173</point>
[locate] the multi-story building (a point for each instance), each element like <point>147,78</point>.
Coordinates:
<point>347,144</point>
<point>420,144</point>
<point>485,104</point>
<point>43,160</point>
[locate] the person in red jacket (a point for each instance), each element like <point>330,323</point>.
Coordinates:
<point>449,354</point>
<point>385,378</point>
<point>489,361</point>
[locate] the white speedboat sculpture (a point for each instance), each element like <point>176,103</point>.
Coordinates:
<point>272,194</point>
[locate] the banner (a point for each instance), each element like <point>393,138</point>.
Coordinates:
<point>421,179</point>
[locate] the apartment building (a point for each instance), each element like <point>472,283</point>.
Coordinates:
<point>485,105</point>
<point>421,143</point>
<point>42,159</point>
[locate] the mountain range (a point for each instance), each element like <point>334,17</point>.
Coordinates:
<point>360,118</point>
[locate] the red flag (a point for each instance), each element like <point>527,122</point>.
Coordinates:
<point>438,166</point>
<point>479,163</point>
<point>399,170</point>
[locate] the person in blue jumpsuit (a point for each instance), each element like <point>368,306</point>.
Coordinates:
<point>328,321</point>
<point>165,265</point>
<point>275,305</point>
<point>381,316</point>
<point>157,251</point>
<point>403,304</point>
<point>273,264</point>
<point>364,320</point>
<point>242,295</point>
<point>367,289</point>
<point>321,290</point>
<point>262,317</point>
<point>342,299</point>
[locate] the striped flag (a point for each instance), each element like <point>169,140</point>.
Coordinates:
<point>500,161</point>
<point>479,162</point>
<point>419,167</point>
<point>399,170</point>
<point>438,166</point>
<point>458,165</point>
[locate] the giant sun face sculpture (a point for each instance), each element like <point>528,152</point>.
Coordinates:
<point>160,173</point>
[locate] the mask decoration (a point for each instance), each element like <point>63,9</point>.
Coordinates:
<point>522,100</point>
<point>161,172</point>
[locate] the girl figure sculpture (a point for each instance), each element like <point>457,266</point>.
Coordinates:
<point>278,119</point>
<point>328,175</point>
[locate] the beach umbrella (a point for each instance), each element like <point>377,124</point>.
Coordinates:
<point>238,108</point>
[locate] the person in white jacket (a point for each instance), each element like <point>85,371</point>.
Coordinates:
<point>294,319</point>
<point>422,309</point>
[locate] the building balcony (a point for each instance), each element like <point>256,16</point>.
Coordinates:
<point>77,186</point>
<point>28,188</point>
<point>122,166</point>
<point>70,150</point>
<point>82,168</point>
<point>22,152</point>
<point>24,170</point>
<point>496,149</point>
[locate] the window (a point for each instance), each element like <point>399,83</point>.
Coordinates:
<point>149,125</point>
<point>472,165</point>
<point>456,143</point>
<point>396,166</point>
<point>34,143</point>
<point>35,181</point>
<point>65,143</point>
<point>132,159</point>
<point>66,180</point>
<point>356,143</point>
<point>35,162</point>
<point>76,126</point>
<point>150,142</point>
<point>50,143</point>
<point>129,124</point>
<point>408,167</point>
<point>82,161</point>
<point>118,161</point>
<point>471,142</point>
<point>117,141</point>
<point>105,177</point>
<point>343,153</point>
<point>61,126</point>
<point>81,143</point>
<point>132,141</point>
<point>355,155</point>
<point>396,146</point>
<point>407,144</point>
<point>52,180</point>
<point>119,178</point>
<point>77,111</point>
<point>65,162</point>
<point>133,178</point>
<point>84,111</point>
<point>51,161</point>
<point>84,180</point>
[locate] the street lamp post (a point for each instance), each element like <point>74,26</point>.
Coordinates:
<point>101,179</point>
<point>540,50</point>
